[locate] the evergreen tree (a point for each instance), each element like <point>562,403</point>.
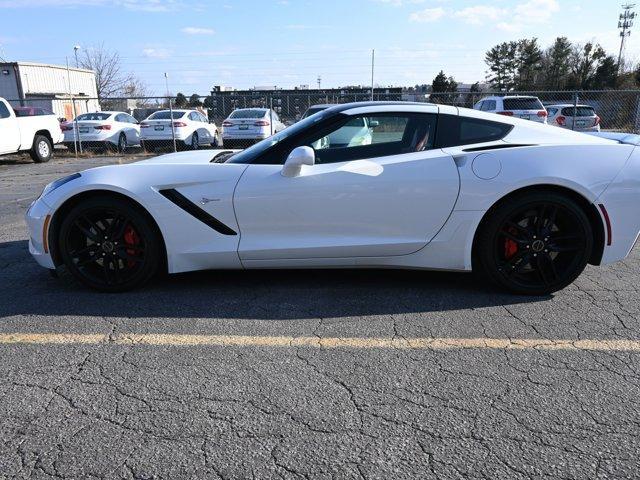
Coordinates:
<point>556,64</point>
<point>502,62</point>
<point>606,75</point>
<point>194,101</point>
<point>180,100</point>
<point>529,64</point>
<point>445,88</point>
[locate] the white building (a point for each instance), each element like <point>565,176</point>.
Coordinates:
<point>50,87</point>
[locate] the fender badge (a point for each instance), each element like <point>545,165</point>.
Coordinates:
<point>205,200</point>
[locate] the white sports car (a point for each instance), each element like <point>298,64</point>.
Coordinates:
<point>439,188</point>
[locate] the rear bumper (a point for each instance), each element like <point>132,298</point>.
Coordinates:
<point>245,136</point>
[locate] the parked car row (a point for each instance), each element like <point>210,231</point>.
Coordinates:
<point>581,118</point>
<point>191,129</point>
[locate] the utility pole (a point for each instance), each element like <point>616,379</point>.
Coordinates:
<point>373,59</point>
<point>625,22</point>
<point>319,81</point>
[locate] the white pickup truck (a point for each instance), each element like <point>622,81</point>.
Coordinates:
<point>34,134</point>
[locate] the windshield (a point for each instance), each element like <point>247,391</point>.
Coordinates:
<point>246,156</point>
<point>93,116</point>
<point>252,113</point>
<point>165,115</point>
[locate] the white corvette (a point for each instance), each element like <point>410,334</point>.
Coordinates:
<point>437,188</point>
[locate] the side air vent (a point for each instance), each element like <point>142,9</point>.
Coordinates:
<point>191,208</point>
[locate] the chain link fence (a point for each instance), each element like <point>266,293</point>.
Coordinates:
<point>153,125</point>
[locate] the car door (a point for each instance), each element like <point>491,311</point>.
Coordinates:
<point>386,198</point>
<point>9,130</point>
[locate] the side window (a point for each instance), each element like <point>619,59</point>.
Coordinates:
<point>480,105</point>
<point>4,111</point>
<point>489,105</point>
<point>203,118</point>
<point>121,118</point>
<point>552,111</point>
<point>194,116</point>
<point>456,130</point>
<point>370,136</point>
<point>131,119</point>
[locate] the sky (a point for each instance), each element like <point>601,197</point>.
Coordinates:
<point>249,43</point>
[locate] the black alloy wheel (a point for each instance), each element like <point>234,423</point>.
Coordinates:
<point>535,244</point>
<point>109,245</point>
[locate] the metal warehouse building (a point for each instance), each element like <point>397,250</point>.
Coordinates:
<point>51,87</point>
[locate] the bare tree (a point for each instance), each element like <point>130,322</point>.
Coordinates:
<point>110,80</point>
<point>137,89</point>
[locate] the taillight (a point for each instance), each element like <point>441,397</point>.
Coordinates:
<point>562,121</point>
<point>66,128</point>
<point>542,113</point>
<point>102,127</point>
<point>179,124</point>
<point>261,123</point>
<point>507,114</point>
<point>227,124</point>
<point>597,121</point>
<point>144,125</point>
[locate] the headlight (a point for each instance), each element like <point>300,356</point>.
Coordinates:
<point>58,183</point>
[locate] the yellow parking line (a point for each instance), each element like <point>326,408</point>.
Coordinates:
<point>424,343</point>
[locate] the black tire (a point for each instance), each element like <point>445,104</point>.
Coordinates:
<point>217,141</point>
<point>122,143</point>
<point>534,244</point>
<point>41,150</point>
<point>109,244</point>
<point>195,141</point>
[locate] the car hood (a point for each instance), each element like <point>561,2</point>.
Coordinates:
<point>196,157</point>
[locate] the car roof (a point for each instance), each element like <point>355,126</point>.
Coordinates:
<point>322,105</point>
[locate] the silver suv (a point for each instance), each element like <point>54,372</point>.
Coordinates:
<point>528,108</point>
<point>581,118</point>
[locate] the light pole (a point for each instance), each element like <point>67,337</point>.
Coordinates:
<point>75,53</point>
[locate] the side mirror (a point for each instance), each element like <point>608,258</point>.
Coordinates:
<point>374,123</point>
<point>298,157</point>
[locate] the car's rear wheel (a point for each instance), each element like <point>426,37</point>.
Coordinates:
<point>195,141</point>
<point>534,244</point>
<point>109,244</point>
<point>41,151</point>
<point>122,143</point>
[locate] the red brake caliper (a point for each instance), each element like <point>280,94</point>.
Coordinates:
<point>131,238</point>
<point>510,247</point>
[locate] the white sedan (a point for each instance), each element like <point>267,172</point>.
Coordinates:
<point>526,205</point>
<point>245,126</point>
<point>190,128</point>
<point>113,130</point>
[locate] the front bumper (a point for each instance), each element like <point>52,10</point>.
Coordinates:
<point>39,214</point>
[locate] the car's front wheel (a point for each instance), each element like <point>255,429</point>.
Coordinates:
<point>535,243</point>
<point>109,244</point>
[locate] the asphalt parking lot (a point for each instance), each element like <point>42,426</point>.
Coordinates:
<point>310,374</point>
